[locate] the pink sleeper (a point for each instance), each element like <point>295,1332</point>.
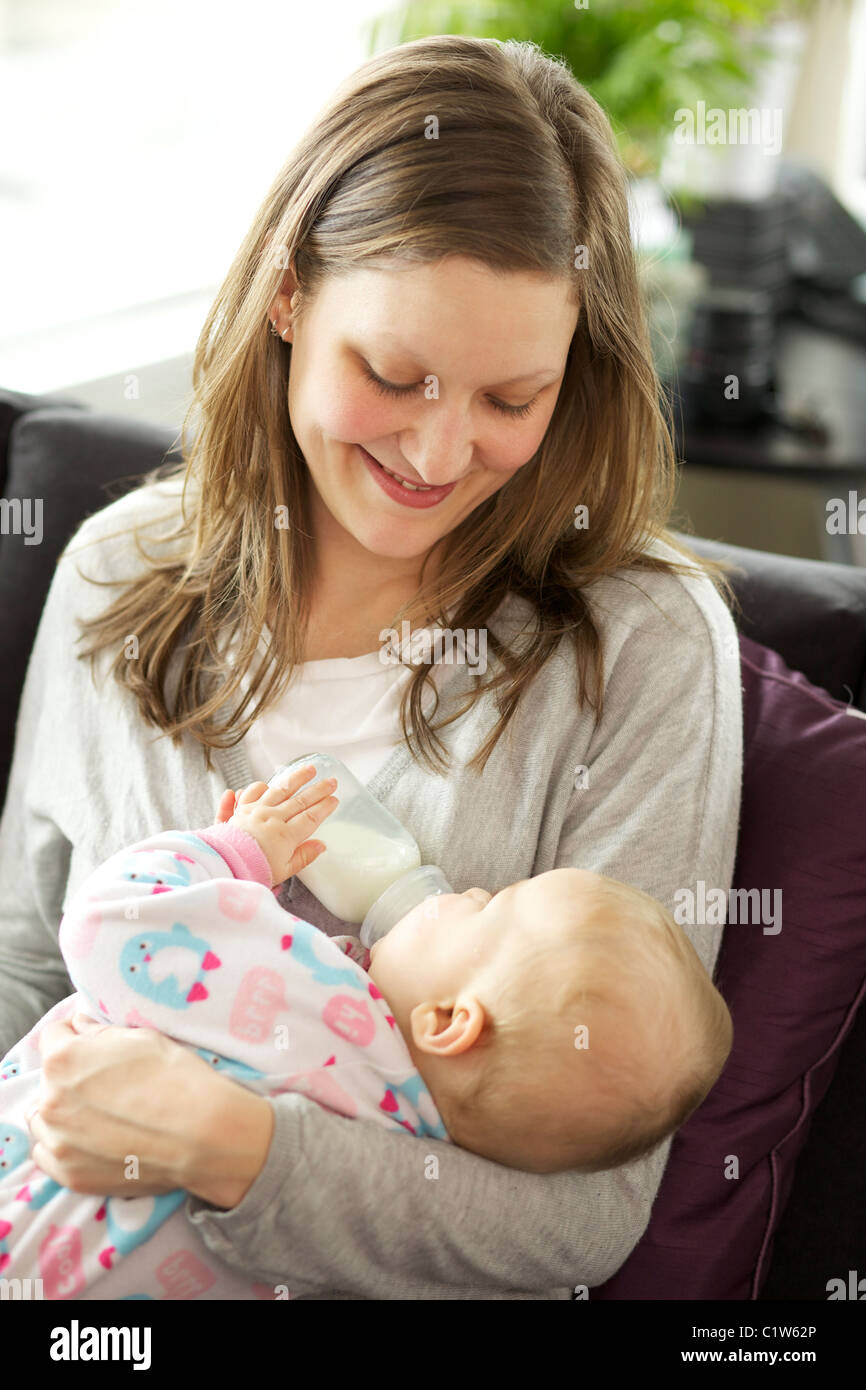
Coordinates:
<point>182,932</point>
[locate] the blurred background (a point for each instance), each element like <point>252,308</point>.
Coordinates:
<point>139,138</point>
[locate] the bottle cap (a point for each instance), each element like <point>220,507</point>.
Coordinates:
<point>406,892</point>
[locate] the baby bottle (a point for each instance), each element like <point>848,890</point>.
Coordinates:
<point>370,871</point>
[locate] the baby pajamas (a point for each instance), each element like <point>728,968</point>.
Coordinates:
<point>182,932</point>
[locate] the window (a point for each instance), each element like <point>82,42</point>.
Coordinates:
<point>140,137</point>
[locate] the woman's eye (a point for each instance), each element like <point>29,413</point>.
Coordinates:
<point>520,411</point>
<point>388,388</point>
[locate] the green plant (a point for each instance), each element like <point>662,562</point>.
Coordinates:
<point>641,61</point>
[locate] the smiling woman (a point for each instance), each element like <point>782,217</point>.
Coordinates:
<point>515,383</point>
<point>439,445</point>
<point>525,388</point>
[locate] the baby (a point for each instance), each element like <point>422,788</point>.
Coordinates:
<point>566,1022</point>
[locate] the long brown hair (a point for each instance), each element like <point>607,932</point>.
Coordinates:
<point>524,173</point>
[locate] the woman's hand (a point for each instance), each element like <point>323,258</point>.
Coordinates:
<point>127,1112</point>
<point>281,819</point>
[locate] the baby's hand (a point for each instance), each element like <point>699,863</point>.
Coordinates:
<point>281,818</point>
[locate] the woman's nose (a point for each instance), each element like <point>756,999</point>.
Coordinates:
<point>441,453</point>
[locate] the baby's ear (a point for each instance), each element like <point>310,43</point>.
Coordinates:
<point>446,1030</point>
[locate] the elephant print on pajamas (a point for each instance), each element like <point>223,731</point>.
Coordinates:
<point>37,1198</point>
<point>415,1091</point>
<point>14,1147</point>
<point>239,1070</point>
<point>130,1221</point>
<point>162,880</point>
<point>302,943</point>
<point>5,1257</point>
<point>187,955</point>
<point>9,1067</point>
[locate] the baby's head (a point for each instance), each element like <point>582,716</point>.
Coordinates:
<point>567,1022</point>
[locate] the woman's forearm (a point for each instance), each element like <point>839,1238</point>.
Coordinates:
<point>109,1092</point>
<point>228,1143</point>
<point>395,1225</point>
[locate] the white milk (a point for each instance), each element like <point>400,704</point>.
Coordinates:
<point>357,866</point>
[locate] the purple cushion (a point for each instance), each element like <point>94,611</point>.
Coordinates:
<point>793,996</point>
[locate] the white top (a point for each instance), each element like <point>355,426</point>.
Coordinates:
<point>346,706</point>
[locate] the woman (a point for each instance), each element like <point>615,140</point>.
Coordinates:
<point>440,285</point>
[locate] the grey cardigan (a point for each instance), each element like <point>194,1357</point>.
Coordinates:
<point>345,1208</point>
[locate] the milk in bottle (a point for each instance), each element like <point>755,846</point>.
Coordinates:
<point>367,847</point>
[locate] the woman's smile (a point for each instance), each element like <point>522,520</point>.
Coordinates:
<point>408,493</point>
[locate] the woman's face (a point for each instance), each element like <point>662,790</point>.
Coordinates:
<point>481,356</point>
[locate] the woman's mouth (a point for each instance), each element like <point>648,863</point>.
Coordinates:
<point>409,494</point>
